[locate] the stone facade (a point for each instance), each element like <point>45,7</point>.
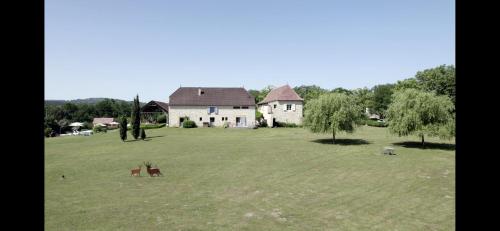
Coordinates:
<point>278,110</point>
<point>194,113</point>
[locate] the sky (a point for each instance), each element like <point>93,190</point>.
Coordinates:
<point>117,49</point>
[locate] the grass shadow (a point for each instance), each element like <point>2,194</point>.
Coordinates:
<point>154,136</point>
<point>342,141</point>
<point>413,144</point>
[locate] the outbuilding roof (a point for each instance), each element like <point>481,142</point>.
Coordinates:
<point>284,93</point>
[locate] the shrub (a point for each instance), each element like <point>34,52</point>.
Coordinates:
<point>286,125</point>
<point>225,125</point>
<point>98,129</point>
<point>47,132</point>
<point>263,123</point>
<point>189,124</point>
<point>258,115</point>
<point>152,126</point>
<point>143,134</point>
<point>162,119</point>
<point>87,125</point>
<point>375,123</point>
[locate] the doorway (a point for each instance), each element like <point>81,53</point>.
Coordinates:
<point>241,121</point>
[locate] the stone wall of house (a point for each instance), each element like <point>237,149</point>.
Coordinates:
<point>196,112</point>
<point>279,112</point>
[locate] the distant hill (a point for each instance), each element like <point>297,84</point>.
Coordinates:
<point>83,101</point>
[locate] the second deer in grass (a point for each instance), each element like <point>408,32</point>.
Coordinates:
<point>152,171</point>
<point>136,171</point>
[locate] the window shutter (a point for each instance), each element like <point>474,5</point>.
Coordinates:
<point>216,110</point>
<point>284,107</point>
<point>208,111</point>
<point>293,107</point>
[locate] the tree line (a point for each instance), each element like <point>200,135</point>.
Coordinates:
<point>439,80</point>
<point>57,117</point>
<point>422,106</point>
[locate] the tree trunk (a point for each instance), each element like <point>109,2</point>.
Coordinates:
<point>333,140</point>
<point>423,143</point>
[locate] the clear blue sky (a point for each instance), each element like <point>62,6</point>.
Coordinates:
<point>117,49</point>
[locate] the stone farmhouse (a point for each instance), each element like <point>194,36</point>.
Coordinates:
<point>282,104</point>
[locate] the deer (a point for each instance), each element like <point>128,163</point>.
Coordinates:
<point>152,171</point>
<point>136,171</point>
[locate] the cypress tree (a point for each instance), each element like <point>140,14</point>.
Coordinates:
<point>143,134</point>
<point>123,128</point>
<point>136,118</point>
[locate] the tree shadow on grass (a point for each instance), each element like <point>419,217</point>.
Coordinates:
<point>147,139</point>
<point>154,136</point>
<point>413,144</point>
<point>342,141</point>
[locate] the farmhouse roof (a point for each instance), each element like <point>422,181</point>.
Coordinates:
<point>162,105</point>
<point>102,120</point>
<point>211,96</point>
<point>281,93</point>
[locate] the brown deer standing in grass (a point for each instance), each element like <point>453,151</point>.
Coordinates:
<point>136,171</point>
<point>152,171</point>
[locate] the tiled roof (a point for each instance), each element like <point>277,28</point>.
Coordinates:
<point>102,120</point>
<point>281,93</point>
<point>211,96</point>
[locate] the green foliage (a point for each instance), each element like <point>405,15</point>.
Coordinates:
<point>375,123</point>
<point>422,113</point>
<point>260,95</point>
<point>143,134</point>
<point>342,90</point>
<point>407,84</point>
<point>263,123</point>
<point>258,115</point>
<point>123,128</point>
<point>440,80</point>
<point>98,129</point>
<point>162,119</point>
<point>382,96</point>
<point>48,132</point>
<point>152,126</point>
<point>309,92</point>
<point>225,125</point>
<point>364,98</point>
<point>136,118</point>
<point>332,113</point>
<point>188,124</point>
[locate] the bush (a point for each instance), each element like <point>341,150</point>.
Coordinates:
<point>189,124</point>
<point>47,132</point>
<point>258,115</point>
<point>87,125</point>
<point>263,123</point>
<point>152,126</point>
<point>375,123</point>
<point>286,125</point>
<point>162,119</point>
<point>98,129</point>
<point>225,125</point>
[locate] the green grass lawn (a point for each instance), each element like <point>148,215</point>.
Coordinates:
<point>244,179</point>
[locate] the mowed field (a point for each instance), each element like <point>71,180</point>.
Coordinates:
<point>244,179</point>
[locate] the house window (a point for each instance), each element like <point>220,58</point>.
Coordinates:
<point>236,107</point>
<point>288,107</point>
<point>212,109</point>
<point>200,118</point>
<point>222,118</point>
<point>275,106</point>
<point>244,107</point>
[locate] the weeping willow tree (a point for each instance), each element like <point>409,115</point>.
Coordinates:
<point>415,112</point>
<point>332,113</point>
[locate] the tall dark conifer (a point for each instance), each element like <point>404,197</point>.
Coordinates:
<point>136,118</point>
<point>123,128</point>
